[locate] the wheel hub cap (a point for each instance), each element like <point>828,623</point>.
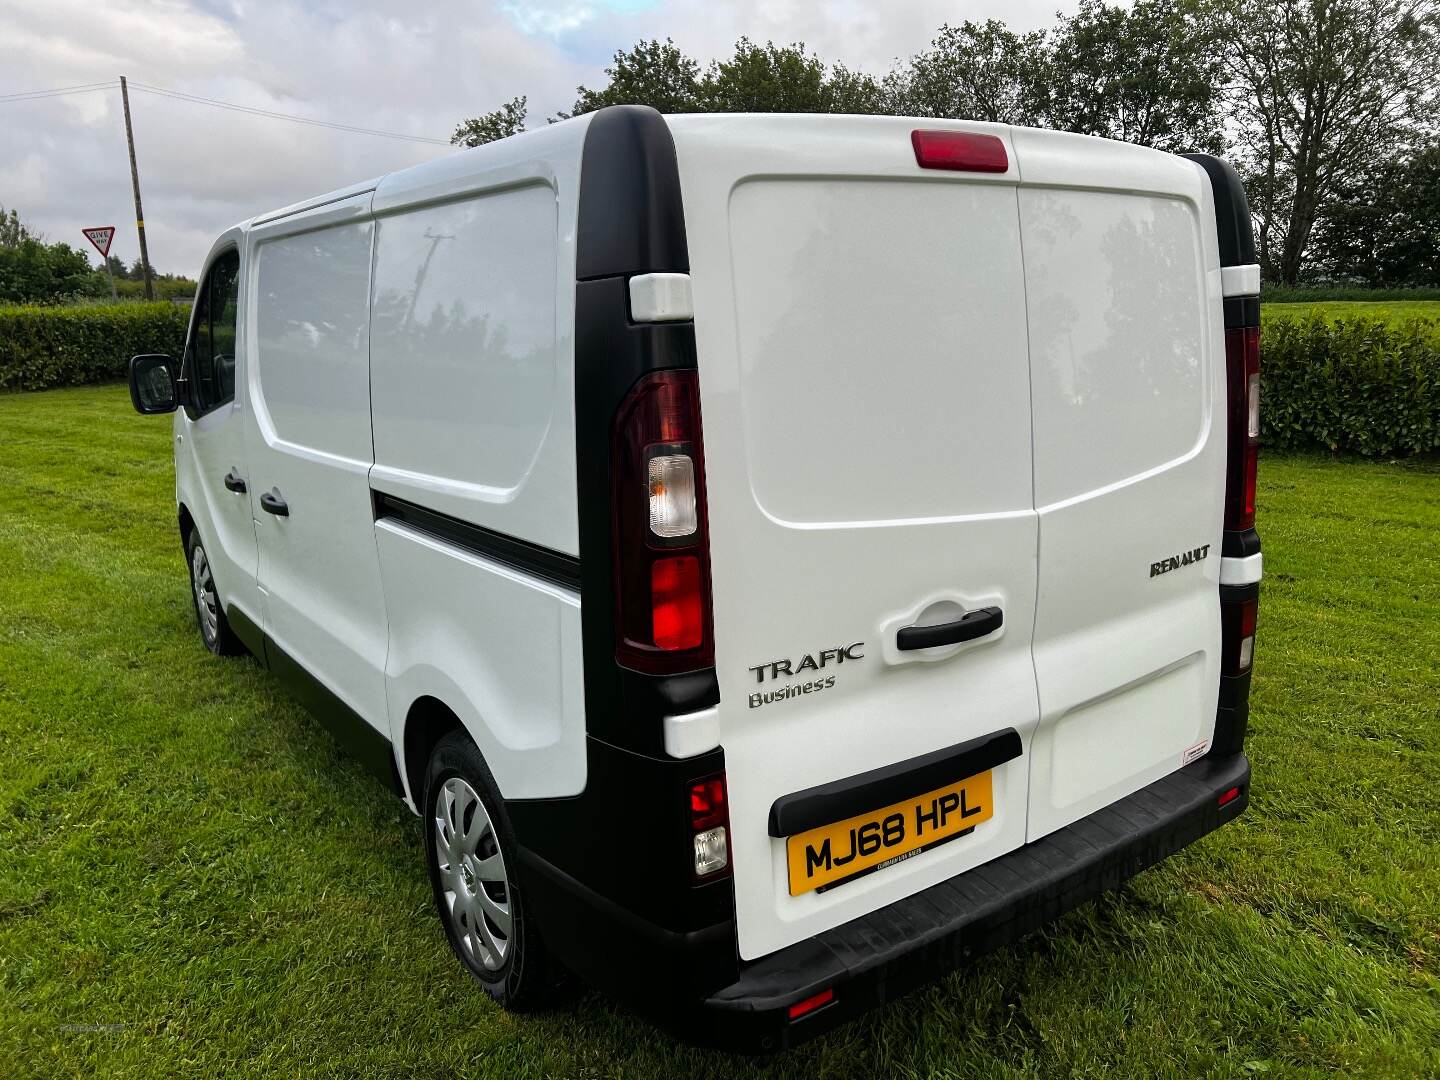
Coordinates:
<point>474,885</point>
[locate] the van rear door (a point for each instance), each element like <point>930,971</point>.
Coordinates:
<point>863,367</point>
<point>1128,380</point>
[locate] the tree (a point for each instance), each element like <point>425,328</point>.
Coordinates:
<point>1384,226</point>
<point>1321,89</point>
<point>651,73</point>
<point>784,78</point>
<point>36,273</point>
<point>505,121</point>
<point>13,231</point>
<point>980,71</point>
<point>1148,74</point>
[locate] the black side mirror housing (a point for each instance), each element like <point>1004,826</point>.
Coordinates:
<point>154,385</point>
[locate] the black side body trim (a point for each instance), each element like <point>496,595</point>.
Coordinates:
<point>610,876</point>
<point>1240,545</point>
<point>1232,211</point>
<point>250,635</point>
<point>842,799</point>
<point>533,559</point>
<point>631,220</point>
<point>1241,311</point>
<point>369,746</point>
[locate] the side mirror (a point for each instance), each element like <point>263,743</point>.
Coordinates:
<point>153,387</point>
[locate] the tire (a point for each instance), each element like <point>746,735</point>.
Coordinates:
<point>471,854</point>
<point>210,617</point>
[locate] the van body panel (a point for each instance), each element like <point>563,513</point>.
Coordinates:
<point>515,682</point>
<point>865,390</point>
<point>1127,367</point>
<point>308,441</point>
<point>467,363</point>
<point>207,447</point>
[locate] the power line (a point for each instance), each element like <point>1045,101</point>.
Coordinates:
<point>271,114</point>
<point>196,99</point>
<point>34,95</point>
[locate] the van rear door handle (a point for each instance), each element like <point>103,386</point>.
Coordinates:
<point>971,625</point>
<point>272,503</point>
<point>233,482</point>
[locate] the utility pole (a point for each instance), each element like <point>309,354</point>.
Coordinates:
<point>135,183</point>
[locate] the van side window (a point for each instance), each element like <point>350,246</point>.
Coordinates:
<point>212,358</point>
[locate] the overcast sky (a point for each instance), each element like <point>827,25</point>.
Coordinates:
<point>411,66</point>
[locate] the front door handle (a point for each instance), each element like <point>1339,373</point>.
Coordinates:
<point>233,482</point>
<point>272,503</point>
<point>971,625</point>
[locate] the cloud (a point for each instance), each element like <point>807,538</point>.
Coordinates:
<point>394,65</point>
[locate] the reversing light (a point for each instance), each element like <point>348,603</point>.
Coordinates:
<point>810,1004</point>
<point>709,824</point>
<point>672,496</point>
<point>1238,621</point>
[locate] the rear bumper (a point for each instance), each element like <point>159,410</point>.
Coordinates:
<point>678,962</point>
<point>889,952</point>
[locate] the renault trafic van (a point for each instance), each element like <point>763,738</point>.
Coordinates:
<point>778,557</point>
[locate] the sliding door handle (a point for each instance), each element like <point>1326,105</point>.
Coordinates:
<point>973,624</point>
<point>234,482</point>
<point>272,503</point>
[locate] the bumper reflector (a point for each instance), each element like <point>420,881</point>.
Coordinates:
<point>1229,796</point>
<point>810,1004</point>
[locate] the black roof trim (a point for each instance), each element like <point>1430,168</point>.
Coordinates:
<point>1232,212</point>
<point>631,220</point>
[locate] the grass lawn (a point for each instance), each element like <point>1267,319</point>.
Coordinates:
<point>194,880</point>
<point>1389,311</point>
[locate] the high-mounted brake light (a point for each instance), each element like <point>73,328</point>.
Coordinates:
<point>660,536</point>
<point>959,151</point>
<point>1242,362</point>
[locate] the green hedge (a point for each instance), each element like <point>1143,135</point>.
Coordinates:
<point>1357,386</point>
<point>1309,294</point>
<point>41,347</point>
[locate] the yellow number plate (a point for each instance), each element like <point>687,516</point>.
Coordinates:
<point>827,855</point>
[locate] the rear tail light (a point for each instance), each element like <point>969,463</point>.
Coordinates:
<point>710,825</point>
<point>1238,619</point>
<point>661,540</point>
<point>1242,362</point>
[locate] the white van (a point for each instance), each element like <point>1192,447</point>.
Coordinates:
<point>942,626</point>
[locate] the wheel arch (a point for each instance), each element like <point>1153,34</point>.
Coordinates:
<point>427,721</point>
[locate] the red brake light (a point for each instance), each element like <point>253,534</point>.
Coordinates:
<point>960,151</point>
<point>660,533</point>
<point>708,803</point>
<point>810,1004</point>
<point>1242,363</point>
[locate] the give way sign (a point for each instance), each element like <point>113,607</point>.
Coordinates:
<point>101,237</point>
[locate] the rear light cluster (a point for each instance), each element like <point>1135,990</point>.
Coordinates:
<point>1242,362</point>
<point>1238,619</point>
<point>661,541</point>
<point>710,825</point>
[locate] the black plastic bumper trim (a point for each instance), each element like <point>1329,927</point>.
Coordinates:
<point>542,562</point>
<point>841,799</point>
<point>889,952</point>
